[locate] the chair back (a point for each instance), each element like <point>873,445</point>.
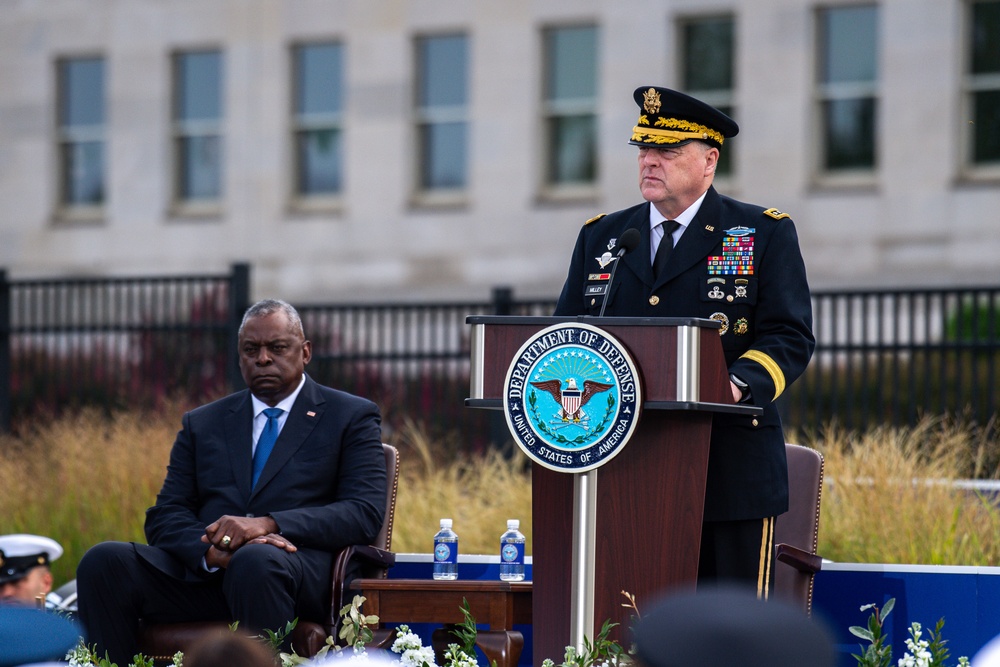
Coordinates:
<point>798,528</point>
<point>384,538</point>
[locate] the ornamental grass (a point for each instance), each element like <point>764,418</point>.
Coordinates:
<point>890,495</point>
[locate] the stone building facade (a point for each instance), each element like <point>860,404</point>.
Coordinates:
<point>390,150</point>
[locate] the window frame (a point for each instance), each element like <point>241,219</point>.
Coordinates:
<point>824,92</point>
<point>181,129</point>
<point>303,122</point>
<point>723,99</point>
<point>972,84</point>
<point>422,116</point>
<point>67,135</point>
<point>551,109</point>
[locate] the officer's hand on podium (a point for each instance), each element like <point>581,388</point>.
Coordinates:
<point>737,392</point>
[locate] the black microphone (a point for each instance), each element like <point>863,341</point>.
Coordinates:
<point>628,241</point>
<point>626,244</point>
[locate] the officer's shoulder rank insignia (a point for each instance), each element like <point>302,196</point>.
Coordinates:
<point>595,218</point>
<point>776,214</point>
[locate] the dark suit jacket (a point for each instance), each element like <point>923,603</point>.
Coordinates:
<point>767,340</point>
<point>324,483</point>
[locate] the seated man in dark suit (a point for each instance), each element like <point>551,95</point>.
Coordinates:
<point>245,526</point>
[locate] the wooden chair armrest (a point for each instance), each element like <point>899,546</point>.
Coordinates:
<point>373,556</point>
<point>801,560</point>
<point>370,558</point>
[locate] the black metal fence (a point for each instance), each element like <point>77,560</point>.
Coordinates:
<point>412,359</point>
<point>116,342</point>
<point>894,356</point>
<point>882,356</point>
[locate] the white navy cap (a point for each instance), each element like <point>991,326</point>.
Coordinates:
<point>21,552</point>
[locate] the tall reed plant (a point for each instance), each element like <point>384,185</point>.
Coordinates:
<point>83,479</point>
<point>479,492</point>
<point>896,495</point>
<point>890,495</point>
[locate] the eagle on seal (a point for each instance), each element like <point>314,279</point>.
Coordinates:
<point>572,400</point>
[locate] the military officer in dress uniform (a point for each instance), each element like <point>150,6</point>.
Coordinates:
<point>705,255</point>
<point>24,568</point>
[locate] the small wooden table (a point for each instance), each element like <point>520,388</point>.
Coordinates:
<point>499,604</point>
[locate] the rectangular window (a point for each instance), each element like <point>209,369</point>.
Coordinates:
<point>983,84</point>
<point>318,105</point>
<point>81,132</point>
<point>847,80</point>
<point>570,105</point>
<point>198,126</point>
<point>442,97</point>
<point>708,66</point>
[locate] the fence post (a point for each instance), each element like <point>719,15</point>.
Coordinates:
<point>503,300</point>
<point>5,367</point>
<point>239,301</point>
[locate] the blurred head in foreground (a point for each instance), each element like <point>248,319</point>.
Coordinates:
<point>729,628</point>
<point>226,648</point>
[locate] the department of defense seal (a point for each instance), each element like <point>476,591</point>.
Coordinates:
<point>572,397</point>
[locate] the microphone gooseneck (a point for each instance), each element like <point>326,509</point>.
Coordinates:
<point>626,243</point>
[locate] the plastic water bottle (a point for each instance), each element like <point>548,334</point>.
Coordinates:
<point>512,552</point>
<point>446,552</point>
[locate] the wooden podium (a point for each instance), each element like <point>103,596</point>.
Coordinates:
<point>649,499</point>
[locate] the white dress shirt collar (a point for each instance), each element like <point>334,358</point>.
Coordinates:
<point>684,219</point>
<point>656,218</point>
<point>285,404</point>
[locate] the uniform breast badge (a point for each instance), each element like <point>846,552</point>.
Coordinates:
<point>721,318</point>
<point>605,259</point>
<point>741,288</point>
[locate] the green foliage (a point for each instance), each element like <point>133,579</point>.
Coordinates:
<point>975,320</point>
<point>354,628</point>
<point>275,638</point>
<point>466,631</point>
<point>878,653</point>
<point>601,652</point>
<point>920,652</point>
<point>87,656</point>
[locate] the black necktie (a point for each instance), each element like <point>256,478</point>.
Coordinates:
<point>665,247</point>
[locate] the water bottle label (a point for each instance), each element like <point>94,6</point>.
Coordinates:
<point>512,553</point>
<point>445,552</point>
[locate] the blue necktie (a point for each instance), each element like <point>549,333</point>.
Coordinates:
<point>265,443</point>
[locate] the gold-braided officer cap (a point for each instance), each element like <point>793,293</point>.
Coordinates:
<point>670,118</point>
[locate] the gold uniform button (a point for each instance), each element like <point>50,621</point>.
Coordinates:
<point>593,301</point>
<point>653,300</point>
<point>729,298</point>
<point>754,422</point>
